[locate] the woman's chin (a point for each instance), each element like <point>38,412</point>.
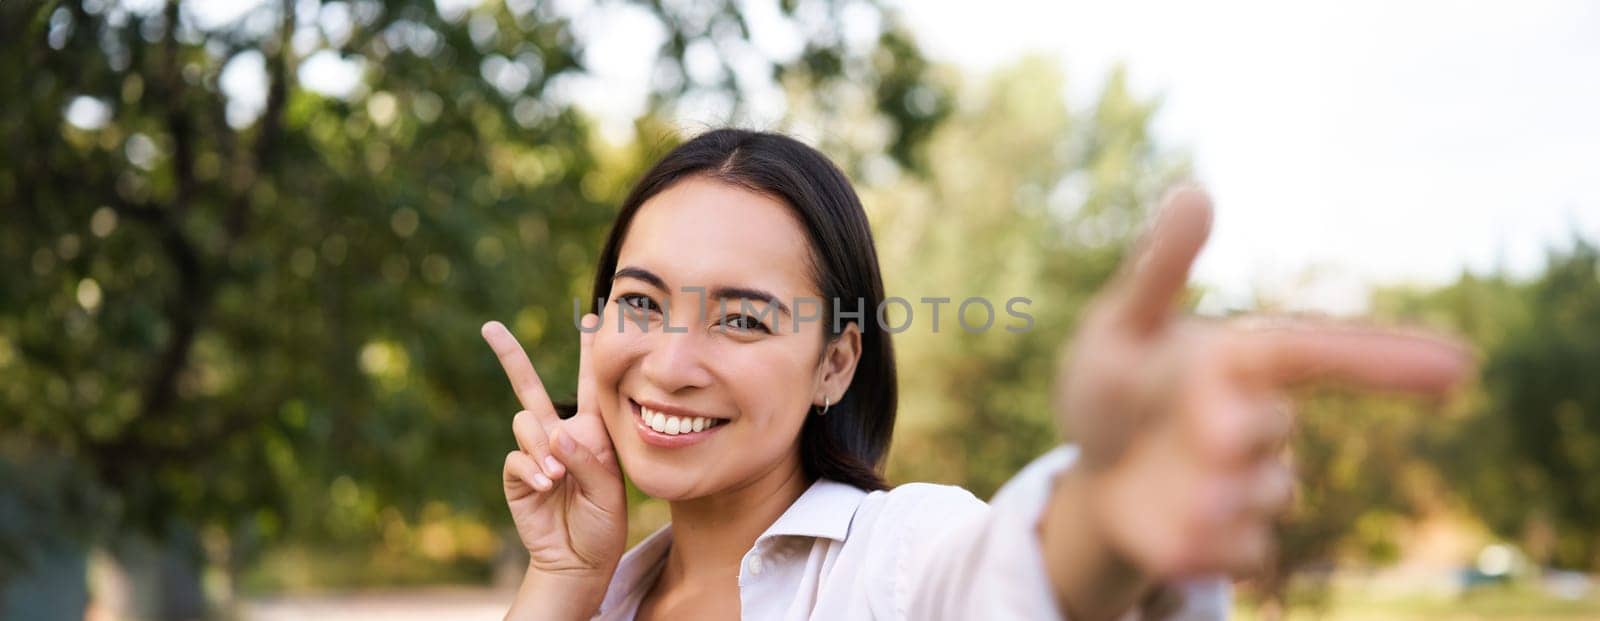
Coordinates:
<point>664,486</point>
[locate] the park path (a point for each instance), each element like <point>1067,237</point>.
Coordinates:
<point>453,603</point>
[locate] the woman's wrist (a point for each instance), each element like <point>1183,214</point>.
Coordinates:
<point>1091,579</point>
<point>552,596</point>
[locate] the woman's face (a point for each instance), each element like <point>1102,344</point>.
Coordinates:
<point>718,401</point>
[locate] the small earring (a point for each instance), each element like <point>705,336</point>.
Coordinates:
<point>824,406</point>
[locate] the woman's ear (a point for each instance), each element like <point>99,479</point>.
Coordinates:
<point>838,366</point>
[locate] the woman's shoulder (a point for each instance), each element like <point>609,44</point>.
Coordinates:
<point>919,506</point>
<point>924,493</point>
<point>940,507</point>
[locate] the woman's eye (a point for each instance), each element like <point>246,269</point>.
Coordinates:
<point>745,323</point>
<point>638,301</point>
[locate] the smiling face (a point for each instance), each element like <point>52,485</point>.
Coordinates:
<point>718,402</point>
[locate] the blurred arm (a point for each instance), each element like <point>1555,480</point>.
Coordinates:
<point>1032,555</point>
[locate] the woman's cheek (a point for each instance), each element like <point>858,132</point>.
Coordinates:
<point>612,359</point>
<point>776,420</point>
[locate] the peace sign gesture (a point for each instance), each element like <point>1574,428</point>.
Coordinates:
<point>563,484</point>
<point>1182,422</point>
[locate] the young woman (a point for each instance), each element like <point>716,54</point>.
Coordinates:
<point>718,375</point>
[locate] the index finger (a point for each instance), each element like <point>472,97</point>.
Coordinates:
<point>1150,282</point>
<point>519,369</point>
<point>586,381</point>
<point>1406,361</point>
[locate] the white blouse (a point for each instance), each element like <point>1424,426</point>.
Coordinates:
<point>918,551</point>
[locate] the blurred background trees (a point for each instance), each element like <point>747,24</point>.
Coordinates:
<point>230,296</point>
<point>1022,197</point>
<point>1545,405</point>
<point>238,318</point>
<point>1512,461</point>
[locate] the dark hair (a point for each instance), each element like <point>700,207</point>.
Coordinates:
<point>849,443</point>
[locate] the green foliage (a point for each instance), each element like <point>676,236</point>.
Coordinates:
<point>266,323</point>
<point>1517,452</point>
<point>1022,197</point>
<point>1546,403</point>
<point>1370,467</point>
<point>1363,474</point>
<point>1524,452</point>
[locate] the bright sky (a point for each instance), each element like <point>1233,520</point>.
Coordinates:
<point>1356,141</point>
<point>1366,141</point>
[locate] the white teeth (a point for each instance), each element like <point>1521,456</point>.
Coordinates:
<point>674,425</point>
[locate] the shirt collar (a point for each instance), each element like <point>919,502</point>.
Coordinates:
<point>824,510</point>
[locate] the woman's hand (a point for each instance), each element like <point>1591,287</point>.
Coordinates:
<point>1182,422</point>
<point>563,485</point>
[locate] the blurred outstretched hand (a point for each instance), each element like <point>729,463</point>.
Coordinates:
<point>1182,422</point>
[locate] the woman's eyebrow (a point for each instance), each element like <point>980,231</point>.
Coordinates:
<point>746,293</point>
<point>641,274</point>
<point>717,293</point>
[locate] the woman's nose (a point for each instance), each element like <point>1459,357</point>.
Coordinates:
<point>674,361</point>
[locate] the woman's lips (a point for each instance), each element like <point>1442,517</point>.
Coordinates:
<point>668,431</point>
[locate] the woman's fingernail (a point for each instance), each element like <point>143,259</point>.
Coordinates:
<point>541,481</point>
<point>551,465</point>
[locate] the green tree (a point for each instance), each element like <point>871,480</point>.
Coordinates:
<point>1371,466</point>
<point>1523,452</point>
<point>1020,196</point>
<point>1513,453</point>
<point>1545,406</point>
<point>257,325</point>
